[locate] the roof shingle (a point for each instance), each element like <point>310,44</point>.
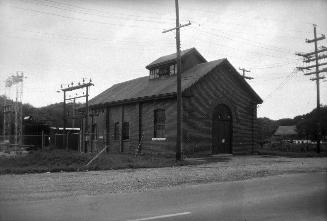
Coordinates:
<point>285,130</point>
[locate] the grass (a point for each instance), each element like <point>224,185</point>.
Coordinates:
<point>60,160</point>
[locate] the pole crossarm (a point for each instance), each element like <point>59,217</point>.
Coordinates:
<point>322,37</point>
<point>243,69</point>
<point>317,78</point>
<point>77,87</point>
<point>72,98</point>
<point>315,72</point>
<point>247,77</point>
<point>180,26</point>
<point>244,76</point>
<point>314,59</point>
<point>310,54</point>
<point>311,66</point>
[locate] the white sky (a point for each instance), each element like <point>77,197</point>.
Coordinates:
<point>59,41</point>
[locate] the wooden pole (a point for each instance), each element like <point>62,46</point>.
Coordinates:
<point>65,119</point>
<point>42,140</point>
<point>87,120</point>
<point>318,89</point>
<point>179,90</point>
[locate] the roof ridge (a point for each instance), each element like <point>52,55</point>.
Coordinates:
<point>168,58</point>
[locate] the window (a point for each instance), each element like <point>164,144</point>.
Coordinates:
<point>164,71</point>
<point>159,123</point>
<point>125,131</point>
<point>94,132</point>
<point>151,74</point>
<point>154,73</point>
<point>116,131</point>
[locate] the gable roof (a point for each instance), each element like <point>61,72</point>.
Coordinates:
<point>172,57</point>
<point>144,88</point>
<point>285,130</point>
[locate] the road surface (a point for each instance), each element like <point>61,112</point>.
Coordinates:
<point>283,197</point>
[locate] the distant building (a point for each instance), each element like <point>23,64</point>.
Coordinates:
<point>285,133</point>
<point>219,109</point>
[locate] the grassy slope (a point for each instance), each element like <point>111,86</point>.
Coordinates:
<point>59,160</point>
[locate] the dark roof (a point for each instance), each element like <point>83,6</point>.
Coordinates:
<point>285,130</point>
<point>143,87</point>
<point>172,57</point>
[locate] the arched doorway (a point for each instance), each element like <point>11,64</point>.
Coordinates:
<point>222,130</point>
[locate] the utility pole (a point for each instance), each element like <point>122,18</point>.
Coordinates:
<point>17,81</point>
<point>4,115</point>
<point>70,88</point>
<point>310,57</point>
<point>244,71</point>
<point>179,82</point>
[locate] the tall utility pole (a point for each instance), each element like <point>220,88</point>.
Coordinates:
<point>70,88</point>
<point>17,81</point>
<point>243,75</point>
<point>4,127</point>
<point>310,57</point>
<point>179,82</point>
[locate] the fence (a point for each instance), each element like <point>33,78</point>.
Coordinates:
<point>286,146</point>
<point>70,141</point>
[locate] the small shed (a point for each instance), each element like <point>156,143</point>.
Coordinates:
<point>286,132</point>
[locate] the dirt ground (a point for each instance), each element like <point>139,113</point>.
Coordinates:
<point>56,185</point>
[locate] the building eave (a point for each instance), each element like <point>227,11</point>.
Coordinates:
<point>134,100</point>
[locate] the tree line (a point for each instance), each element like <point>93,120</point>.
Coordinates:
<point>306,125</point>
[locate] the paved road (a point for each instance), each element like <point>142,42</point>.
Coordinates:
<point>284,197</point>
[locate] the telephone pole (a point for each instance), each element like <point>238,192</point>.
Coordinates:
<point>70,88</point>
<point>179,82</point>
<point>308,58</point>
<point>244,71</point>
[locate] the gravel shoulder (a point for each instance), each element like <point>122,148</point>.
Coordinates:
<point>56,185</point>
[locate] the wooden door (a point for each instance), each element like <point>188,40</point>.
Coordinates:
<point>222,130</point>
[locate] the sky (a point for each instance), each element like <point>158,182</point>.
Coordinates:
<point>57,42</point>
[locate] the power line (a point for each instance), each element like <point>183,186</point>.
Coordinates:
<point>280,86</point>
<point>74,18</point>
<point>237,49</point>
<point>86,11</point>
<point>249,41</point>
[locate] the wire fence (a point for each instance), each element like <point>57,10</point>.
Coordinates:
<point>69,141</point>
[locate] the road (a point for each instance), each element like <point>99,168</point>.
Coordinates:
<point>283,197</point>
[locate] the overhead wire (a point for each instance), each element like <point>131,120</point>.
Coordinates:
<point>86,11</point>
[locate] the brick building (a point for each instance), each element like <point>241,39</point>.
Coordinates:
<point>219,109</point>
